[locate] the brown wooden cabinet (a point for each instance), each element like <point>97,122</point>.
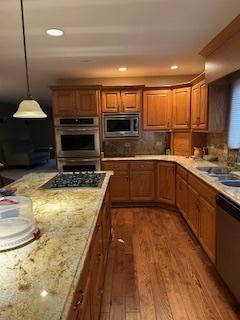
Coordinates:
<point>75,102</point>
<point>87,102</point>
<point>199,106</point>
<point>182,195</point>
<point>111,101</point>
<point>193,209</point>
<point>119,183</point>
<point>166,182</point>
<point>121,100</point>
<point>64,103</point>
<point>181,108</point>
<point>157,109</point>
<point>86,304</point>
<point>207,227</point>
<point>142,181</point>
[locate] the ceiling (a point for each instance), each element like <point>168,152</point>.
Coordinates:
<point>147,36</point>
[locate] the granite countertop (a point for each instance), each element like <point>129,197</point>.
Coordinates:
<point>191,165</point>
<point>38,281</point>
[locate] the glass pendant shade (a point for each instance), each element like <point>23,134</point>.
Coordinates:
<point>29,108</point>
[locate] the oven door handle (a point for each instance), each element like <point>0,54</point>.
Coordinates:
<point>76,130</point>
<point>82,160</point>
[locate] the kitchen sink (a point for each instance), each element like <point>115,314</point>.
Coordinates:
<point>231,183</point>
<point>215,170</point>
<point>228,176</point>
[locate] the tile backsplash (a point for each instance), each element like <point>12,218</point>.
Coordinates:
<point>148,143</point>
<point>217,145</point>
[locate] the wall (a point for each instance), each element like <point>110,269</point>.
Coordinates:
<point>148,143</point>
<point>121,81</point>
<point>39,131</point>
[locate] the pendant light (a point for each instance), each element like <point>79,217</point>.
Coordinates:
<point>28,108</point>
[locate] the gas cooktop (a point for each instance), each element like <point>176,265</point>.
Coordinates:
<point>75,180</point>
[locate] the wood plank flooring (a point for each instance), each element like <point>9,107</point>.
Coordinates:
<point>156,270</point>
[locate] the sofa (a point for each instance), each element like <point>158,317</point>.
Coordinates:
<point>24,153</point>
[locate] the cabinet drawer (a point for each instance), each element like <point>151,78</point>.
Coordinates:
<point>182,172</point>
<point>205,191</point>
<point>115,165</point>
<point>141,165</point>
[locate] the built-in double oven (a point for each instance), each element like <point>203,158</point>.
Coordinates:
<point>77,143</point>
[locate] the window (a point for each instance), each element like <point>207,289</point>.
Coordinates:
<point>234,123</point>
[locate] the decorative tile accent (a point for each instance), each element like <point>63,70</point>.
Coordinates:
<point>148,143</point>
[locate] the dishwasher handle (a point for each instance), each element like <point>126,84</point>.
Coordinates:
<point>229,206</point>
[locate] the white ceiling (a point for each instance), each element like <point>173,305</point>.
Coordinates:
<point>147,36</point>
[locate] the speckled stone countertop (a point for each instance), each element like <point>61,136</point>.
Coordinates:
<point>191,165</point>
<point>51,265</point>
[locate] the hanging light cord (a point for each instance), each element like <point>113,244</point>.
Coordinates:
<point>25,52</point>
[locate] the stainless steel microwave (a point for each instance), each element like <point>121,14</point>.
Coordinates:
<point>121,125</point>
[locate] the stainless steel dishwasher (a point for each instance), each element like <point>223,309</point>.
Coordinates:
<point>228,243</point>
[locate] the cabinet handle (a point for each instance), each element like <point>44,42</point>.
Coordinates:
<point>100,291</point>
<point>99,257</point>
<point>98,228</point>
<point>168,124</point>
<point>79,301</point>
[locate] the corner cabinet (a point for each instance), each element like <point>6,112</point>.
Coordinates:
<point>121,100</point>
<point>157,109</point>
<point>181,109</point>
<point>199,106</point>
<point>75,102</point>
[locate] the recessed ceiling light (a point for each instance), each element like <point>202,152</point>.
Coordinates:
<point>54,32</point>
<point>174,67</point>
<point>122,69</point>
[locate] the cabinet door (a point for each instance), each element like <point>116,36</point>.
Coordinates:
<point>181,108</point>
<point>199,106</point>
<point>195,106</point>
<point>111,101</point>
<point>106,227</point>
<point>142,186</point>
<point>166,183</point>
<point>157,105</point>
<point>182,196</point>
<point>64,103</point>
<point>85,304</point>
<point>87,102</point>
<point>207,228</point>
<point>119,186</point>
<point>131,101</point>
<point>203,106</point>
<point>193,209</point>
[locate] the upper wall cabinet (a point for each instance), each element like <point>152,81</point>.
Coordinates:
<point>64,103</point>
<point>181,108</point>
<point>75,102</point>
<point>87,102</point>
<point>199,106</point>
<point>157,108</point>
<point>121,100</point>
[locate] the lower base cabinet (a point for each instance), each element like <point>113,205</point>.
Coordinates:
<point>199,211</point>
<point>86,304</point>
<point>166,182</point>
<point>182,195</point>
<point>193,210</point>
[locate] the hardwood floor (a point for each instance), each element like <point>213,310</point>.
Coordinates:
<point>156,270</point>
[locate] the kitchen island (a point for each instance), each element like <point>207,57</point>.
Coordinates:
<point>39,280</point>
